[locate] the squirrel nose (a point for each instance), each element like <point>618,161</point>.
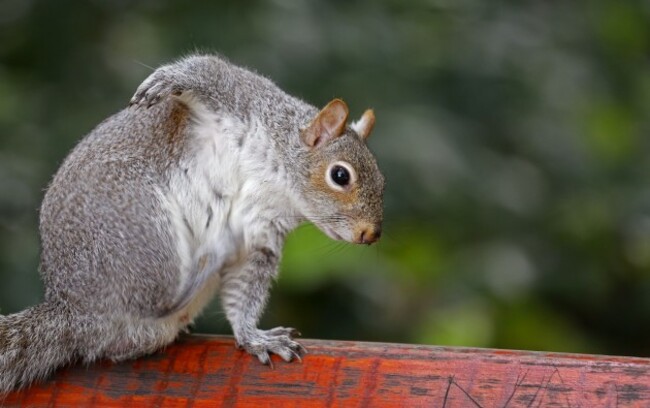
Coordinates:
<point>369,234</point>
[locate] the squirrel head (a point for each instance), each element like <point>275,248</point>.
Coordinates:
<point>343,190</point>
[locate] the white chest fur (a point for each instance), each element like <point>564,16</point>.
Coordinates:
<point>222,202</point>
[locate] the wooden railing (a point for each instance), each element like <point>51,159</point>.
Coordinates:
<point>207,371</point>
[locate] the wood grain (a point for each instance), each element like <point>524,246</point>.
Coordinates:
<point>207,371</point>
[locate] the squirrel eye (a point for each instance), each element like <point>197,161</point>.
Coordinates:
<point>340,175</point>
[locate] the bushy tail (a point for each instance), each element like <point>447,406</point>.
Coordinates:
<point>33,343</point>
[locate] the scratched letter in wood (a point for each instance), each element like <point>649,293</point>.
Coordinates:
<point>207,371</point>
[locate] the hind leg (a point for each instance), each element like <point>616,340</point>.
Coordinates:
<point>128,338</point>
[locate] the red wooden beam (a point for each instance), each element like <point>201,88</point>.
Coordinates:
<point>207,371</point>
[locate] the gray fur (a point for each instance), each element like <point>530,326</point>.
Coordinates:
<point>142,224</point>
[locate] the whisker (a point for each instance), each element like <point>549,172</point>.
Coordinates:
<point>326,247</point>
<point>337,248</point>
<point>144,65</point>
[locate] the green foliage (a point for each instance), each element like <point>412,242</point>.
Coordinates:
<point>514,138</point>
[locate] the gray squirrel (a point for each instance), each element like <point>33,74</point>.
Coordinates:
<point>188,192</point>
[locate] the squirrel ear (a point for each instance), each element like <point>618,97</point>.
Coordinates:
<point>364,126</point>
<point>328,124</point>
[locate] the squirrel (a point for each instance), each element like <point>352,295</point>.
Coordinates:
<point>188,192</point>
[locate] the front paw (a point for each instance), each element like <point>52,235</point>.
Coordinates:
<point>162,83</point>
<point>277,341</point>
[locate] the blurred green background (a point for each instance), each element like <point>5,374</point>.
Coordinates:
<point>514,139</point>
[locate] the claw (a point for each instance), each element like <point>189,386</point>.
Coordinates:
<point>268,362</point>
<point>302,349</point>
<point>296,356</point>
